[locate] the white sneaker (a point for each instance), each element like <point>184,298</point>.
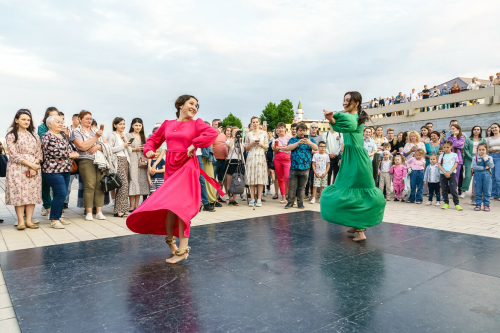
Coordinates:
<point>35,221</point>
<point>462,195</point>
<point>56,225</point>
<point>250,203</point>
<point>112,202</point>
<point>429,203</point>
<point>100,216</point>
<point>313,200</point>
<point>438,203</point>
<point>44,212</point>
<point>64,221</point>
<point>89,217</point>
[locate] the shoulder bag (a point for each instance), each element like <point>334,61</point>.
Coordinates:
<point>110,182</point>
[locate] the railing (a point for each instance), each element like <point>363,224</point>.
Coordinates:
<point>411,111</point>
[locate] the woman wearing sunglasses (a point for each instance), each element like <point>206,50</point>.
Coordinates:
<point>23,188</point>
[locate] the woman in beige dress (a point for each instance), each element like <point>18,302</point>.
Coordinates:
<point>256,166</point>
<point>23,179</point>
<point>139,184</point>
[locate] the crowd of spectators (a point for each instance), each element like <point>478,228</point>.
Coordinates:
<point>44,161</point>
<point>431,93</point>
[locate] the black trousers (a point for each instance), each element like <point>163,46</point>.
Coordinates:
<point>334,170</point>
<point>310,180</point>
<point>461,180</point>
<point>449,185</point>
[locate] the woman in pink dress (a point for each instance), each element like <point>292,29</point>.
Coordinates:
<point>23,180</point>
<point>169,210</point>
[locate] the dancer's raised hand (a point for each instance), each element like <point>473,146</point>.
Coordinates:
<point>329,116</point>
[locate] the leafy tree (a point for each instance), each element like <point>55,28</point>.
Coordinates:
<point>231,120</point>
<point>274,114</point>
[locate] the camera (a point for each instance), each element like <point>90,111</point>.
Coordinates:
<point>239,134</point>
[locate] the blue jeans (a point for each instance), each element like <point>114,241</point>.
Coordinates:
<point>219,169</point>
<point>483,187</point>
<point>59,183</point>
<point>204,194</point>
<point>495,181</point>
<point>71,178</point>
<point>417,185</point>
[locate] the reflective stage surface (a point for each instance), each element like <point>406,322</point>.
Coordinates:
<point>285,273</point>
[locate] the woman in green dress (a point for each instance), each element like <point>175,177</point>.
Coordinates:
<point>353,200</point>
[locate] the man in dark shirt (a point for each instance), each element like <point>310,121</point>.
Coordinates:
<point>425,94</point>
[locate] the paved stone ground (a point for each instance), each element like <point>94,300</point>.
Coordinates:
<point>467,221</point>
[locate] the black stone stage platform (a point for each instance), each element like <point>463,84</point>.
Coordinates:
<point>286,273</point>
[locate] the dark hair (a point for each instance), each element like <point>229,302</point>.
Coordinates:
<point>281,124</point>
<point>457,126</point>
<point>94,122</point>
<point>292,126</point>
<point>47,112</point>
<point>75,115</point>
<point>430,124</point>
<point>302,126</point>
<point>405,136</point>
<point>480,132</point>
<point>483,144</point>
<point>61,113</point>
<point>15,126</point>
<point>322,143</point>
<point>116,121</point>
<point>254,117</point>
<point>217,120</point>
<point>180,102</point>
<point>453,120</point>
<point>83,113</point>
<point>141,133</point>
<point>357,98</point>
<point>435,132</point>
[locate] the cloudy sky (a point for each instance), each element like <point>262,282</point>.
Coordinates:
<point>133,58</point>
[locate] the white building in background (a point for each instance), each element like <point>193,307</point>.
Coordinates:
<point>299,112</point>
<point>323,125</point>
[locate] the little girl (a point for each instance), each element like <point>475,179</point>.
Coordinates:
<point>447,164</point>
<point>482,165</point>
<point>432,179</point>
<point>384,175</point>
<point>417,165</point>
<point>399,172</point>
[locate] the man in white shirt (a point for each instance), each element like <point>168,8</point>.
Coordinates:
<point>333,144</point>
<point>474,85</point>
<point>413,96</point>
<point>489,84</point>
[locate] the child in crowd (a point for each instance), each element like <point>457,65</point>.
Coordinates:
<point>482,165</point>
<point>384,166</point>
<point>398,171</point>
<point>432,179</point>
<point>387,148</point>
<point>447,164</point>
<point>417,165</point>
<point>156,170</point>
<point>320,165</point>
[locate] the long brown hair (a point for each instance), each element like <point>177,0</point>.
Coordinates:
<point>457,126</point>
<point>357,98</point>
<point>141,133</point>
<point>116,121</point>
<point>15,126</point>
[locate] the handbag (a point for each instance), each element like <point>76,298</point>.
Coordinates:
<point>3,163</point>
<point>74,169</point>
<point>143,163</point>
<point>237,185</point>
<point>110,182</point>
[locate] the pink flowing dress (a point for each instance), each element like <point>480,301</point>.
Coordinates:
<point>180,192</point>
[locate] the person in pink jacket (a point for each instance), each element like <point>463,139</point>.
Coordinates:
<point>399,173</point>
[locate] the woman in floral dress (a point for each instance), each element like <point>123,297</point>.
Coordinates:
<point>256,166</point>
<point>23,180</point>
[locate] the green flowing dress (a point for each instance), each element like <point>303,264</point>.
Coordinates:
<point>353,200</point>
